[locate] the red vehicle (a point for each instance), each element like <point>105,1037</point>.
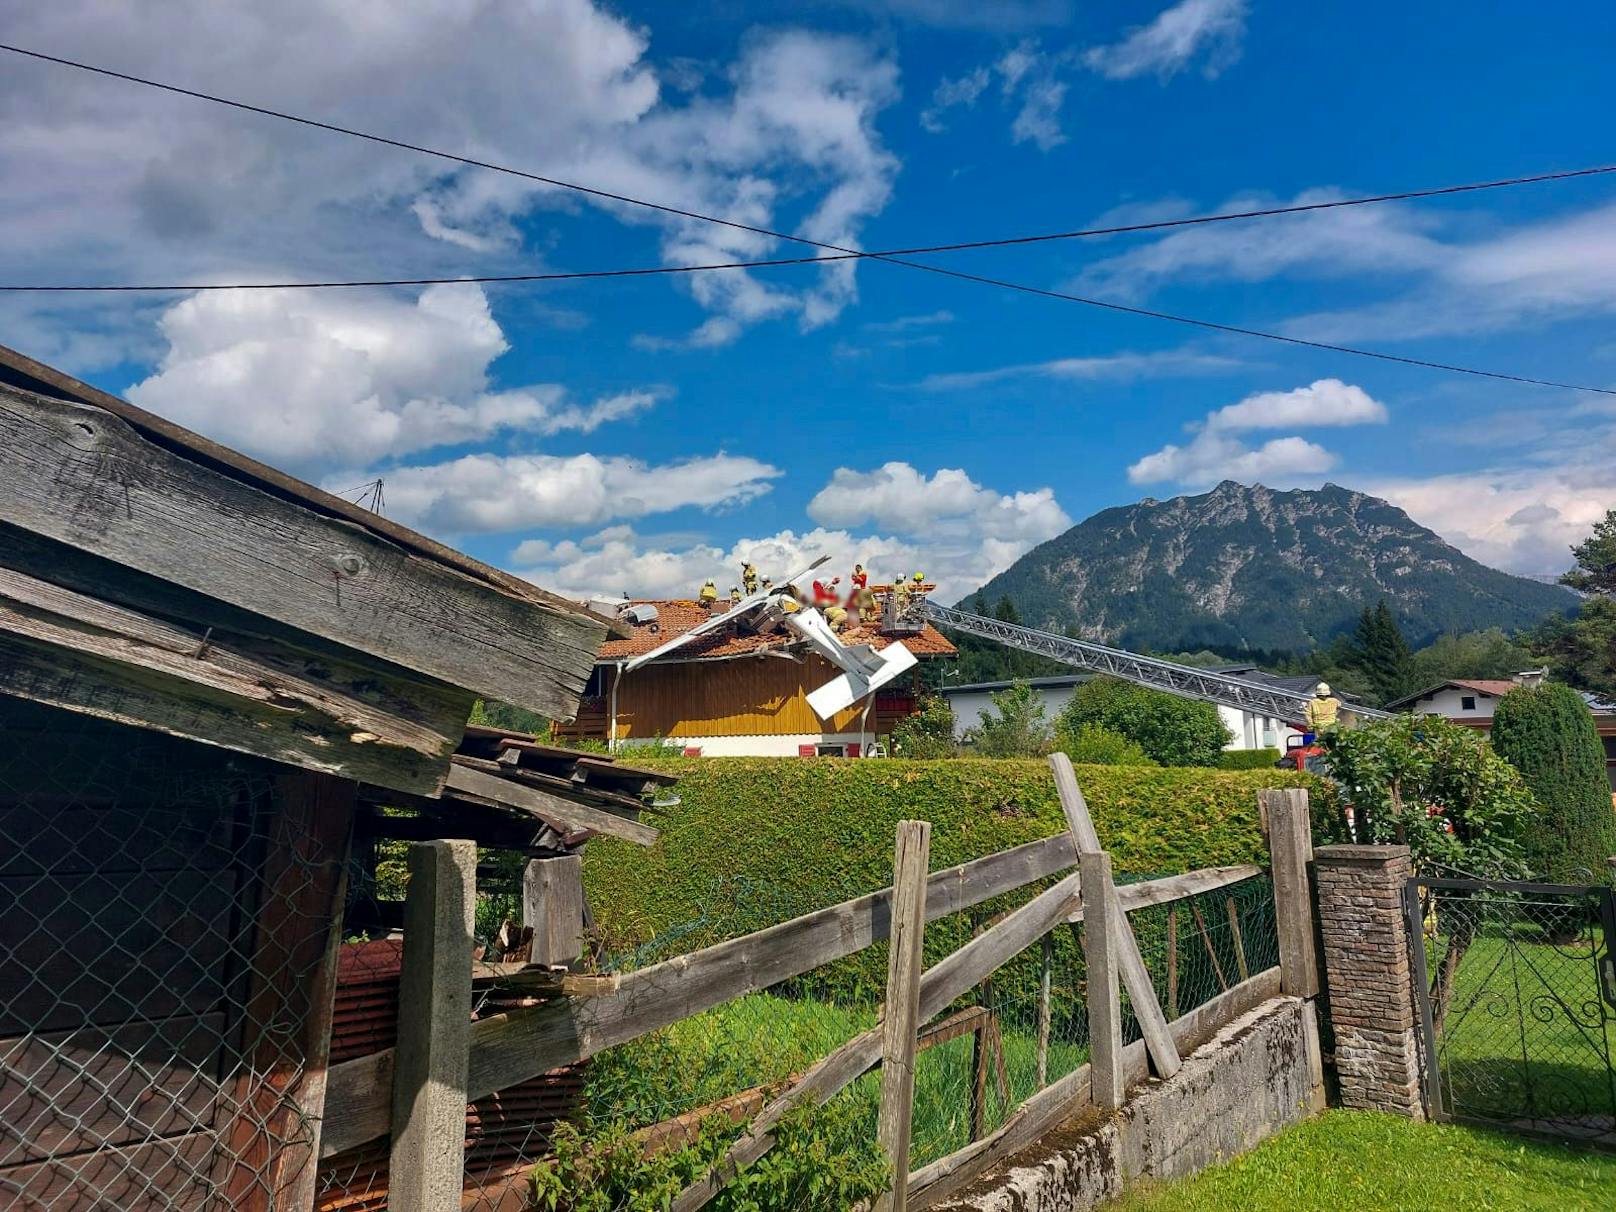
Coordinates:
<point>1302,753</point>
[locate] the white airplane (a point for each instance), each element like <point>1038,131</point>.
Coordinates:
<point>864,670</point>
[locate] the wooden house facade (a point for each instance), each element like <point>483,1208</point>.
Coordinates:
<point>731,694</point>
<point>220,690</point>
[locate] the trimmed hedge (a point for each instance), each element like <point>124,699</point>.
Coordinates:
<point>1248,759</point>
<point>758,840</point>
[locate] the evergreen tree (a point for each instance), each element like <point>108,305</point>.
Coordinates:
<point>1548,734</point>
<point>1596,560</point>
<point>1582,650</point>
<point>1380,650</point>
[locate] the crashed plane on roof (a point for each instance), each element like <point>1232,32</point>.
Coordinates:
<point>864,668</point>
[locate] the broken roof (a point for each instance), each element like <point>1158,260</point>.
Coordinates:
<point>679,615</point>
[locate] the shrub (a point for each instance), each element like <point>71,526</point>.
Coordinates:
<point>1435,786</point>
<point>1015,727</point>
<point>1248,759</point>
<point>928,733</point>
<point>755,841</point>
<point>1548,734</point>
<point>1092,745</point>
<point>1174,731</point>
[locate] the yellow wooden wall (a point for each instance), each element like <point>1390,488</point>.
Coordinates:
<point>751,696</point>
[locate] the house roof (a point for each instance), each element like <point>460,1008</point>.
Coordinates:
<point>1054,682</point>
<point>1496,687</point>
<point>678,615</point>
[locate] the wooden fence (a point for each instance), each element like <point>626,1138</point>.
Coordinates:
<point>428,1079</point>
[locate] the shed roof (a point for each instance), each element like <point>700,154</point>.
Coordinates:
<point>678,615</point>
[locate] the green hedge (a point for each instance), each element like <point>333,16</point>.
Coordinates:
<point>759,840</point>
<point>1248,759</point>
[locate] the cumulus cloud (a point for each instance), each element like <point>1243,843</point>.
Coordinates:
<point>317,379</point>
<point>1123,366</point>
<point>785,138</point>
<point>898,497</point>
<point>1216,453</point>
<point>894,520</point>
<point>1176,37</point>
<point>1029,83</point>
<point>497,494</point>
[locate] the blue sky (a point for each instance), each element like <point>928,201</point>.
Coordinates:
<point>640,435</point>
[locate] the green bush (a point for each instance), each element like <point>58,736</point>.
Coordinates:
<point>1174,731</point>
<point>1548,734</point>
<point>1014,727</point>
<point>927,733</point>
<point>1248,759</point>
<point>755,841</point>
<point>1092,745</point>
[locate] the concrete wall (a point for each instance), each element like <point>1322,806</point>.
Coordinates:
<point>1449,703</point>
<point>1252,1079</point>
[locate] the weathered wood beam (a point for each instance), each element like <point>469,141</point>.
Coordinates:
<point>895,1120</point>
<point>84,655</point>
<point>82,476</point>
<point>1100,938</point>
<point>552,809</point>
<point>1290,845</point>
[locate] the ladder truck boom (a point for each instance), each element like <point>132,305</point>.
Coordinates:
<point>1184,680</point>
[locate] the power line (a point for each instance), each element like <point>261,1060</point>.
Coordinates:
<point>832,252</point>
<point>892,257</point>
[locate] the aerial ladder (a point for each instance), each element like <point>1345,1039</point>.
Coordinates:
<point>1183,680</point>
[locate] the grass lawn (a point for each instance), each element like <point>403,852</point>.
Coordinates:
<point>1346,1161</point>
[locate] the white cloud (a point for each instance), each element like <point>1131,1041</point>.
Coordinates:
<point>945,525</point>
<point>902,324</point>
<point>1215,454</point>
<point>1519,519</point>
<point>962,91</point>
<point>1177,35</point>
<point>1038,120</point>
<point>786,139</point>
<point>1029,81</point>
<point>497,494</point>
<point>897,497</point>
<point>318,379</point>
<point>998,16</point>
<point>1121,366</point>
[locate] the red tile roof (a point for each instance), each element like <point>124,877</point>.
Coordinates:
<point>679,615</point>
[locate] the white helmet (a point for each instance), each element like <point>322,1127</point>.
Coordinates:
<point>1322,690</point>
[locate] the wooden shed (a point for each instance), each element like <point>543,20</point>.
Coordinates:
<point>213,677</point>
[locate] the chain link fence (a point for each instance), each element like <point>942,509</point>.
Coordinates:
<point>164,919</point>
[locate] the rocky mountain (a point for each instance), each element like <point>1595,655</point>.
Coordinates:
<point>1243,568</point>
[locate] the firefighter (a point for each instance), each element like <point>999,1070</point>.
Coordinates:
<point>734,595</point>
<point>825,595</point>
<point>709,593</point>
<point>836,616</point>
<point>1321,712</point>
<point>749,577</point>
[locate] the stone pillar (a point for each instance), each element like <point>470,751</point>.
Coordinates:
<point>1367,971</point>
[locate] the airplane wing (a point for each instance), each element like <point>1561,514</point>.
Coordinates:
<point>864,670</point>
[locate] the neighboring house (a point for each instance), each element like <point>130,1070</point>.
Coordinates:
<point>730,694</point>
<point>1247,730</point>
<point>1472,701</point>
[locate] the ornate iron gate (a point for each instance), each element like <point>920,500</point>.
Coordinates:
<point>1516,985</point>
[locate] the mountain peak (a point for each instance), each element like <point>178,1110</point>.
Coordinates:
<point>1244,566</point>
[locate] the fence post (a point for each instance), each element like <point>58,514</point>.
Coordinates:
<point>910,863</point>
<point>426,1171</point>
<point>1100,910</point>
<point>553,904</point>
<point>1046,972</point>
<point>1290,848</point>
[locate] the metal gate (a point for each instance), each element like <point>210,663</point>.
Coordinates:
<point>1516,984</point>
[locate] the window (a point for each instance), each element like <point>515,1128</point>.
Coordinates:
<point>1467,702</point>
<point>830,750</point>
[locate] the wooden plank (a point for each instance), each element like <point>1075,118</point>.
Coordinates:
<point>1135,977</point>
<point>1046,971</point>
<point>1290,848</point>
<point>1068,1095</point>
<point>82,476</point>
<point>1104,989</point>
<point>1172,962</point>
<point>32,375</point>
<point>895,1119</point>
<point>1171,888</point>
<point>553,904</point>
<point>170,1173</point>
<point>426,1171</point>
<point>1211,951</point>
<point>464,777</point>
<point>270,1151</point>
<point>511,1048</point>
<point>943,983</point>
<point>1238,938</point>
<point>74,652</point>
<point>95,1087</point>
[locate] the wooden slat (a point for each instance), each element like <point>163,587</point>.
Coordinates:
<point>1169,888</point>
<point>894,1122</point>
<point>91,1088</point>
<point>553,905</point>
<point>553,810</point>
<point>124,1177</point>
<point>1290,844</point>
<point>1100,938</point>
<point>1141,992</point>
<point>82,476</point>
<point>74,652</point>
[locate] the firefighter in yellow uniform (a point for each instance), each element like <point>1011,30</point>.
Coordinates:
<point>749,577</point>
<point>734,595</point>
<point>1323,710</point>
<point>709,593</point>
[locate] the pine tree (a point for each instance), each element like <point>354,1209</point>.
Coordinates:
<point>1382,653</point>
<point>1596,559</point>
<point>1548,734</point>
